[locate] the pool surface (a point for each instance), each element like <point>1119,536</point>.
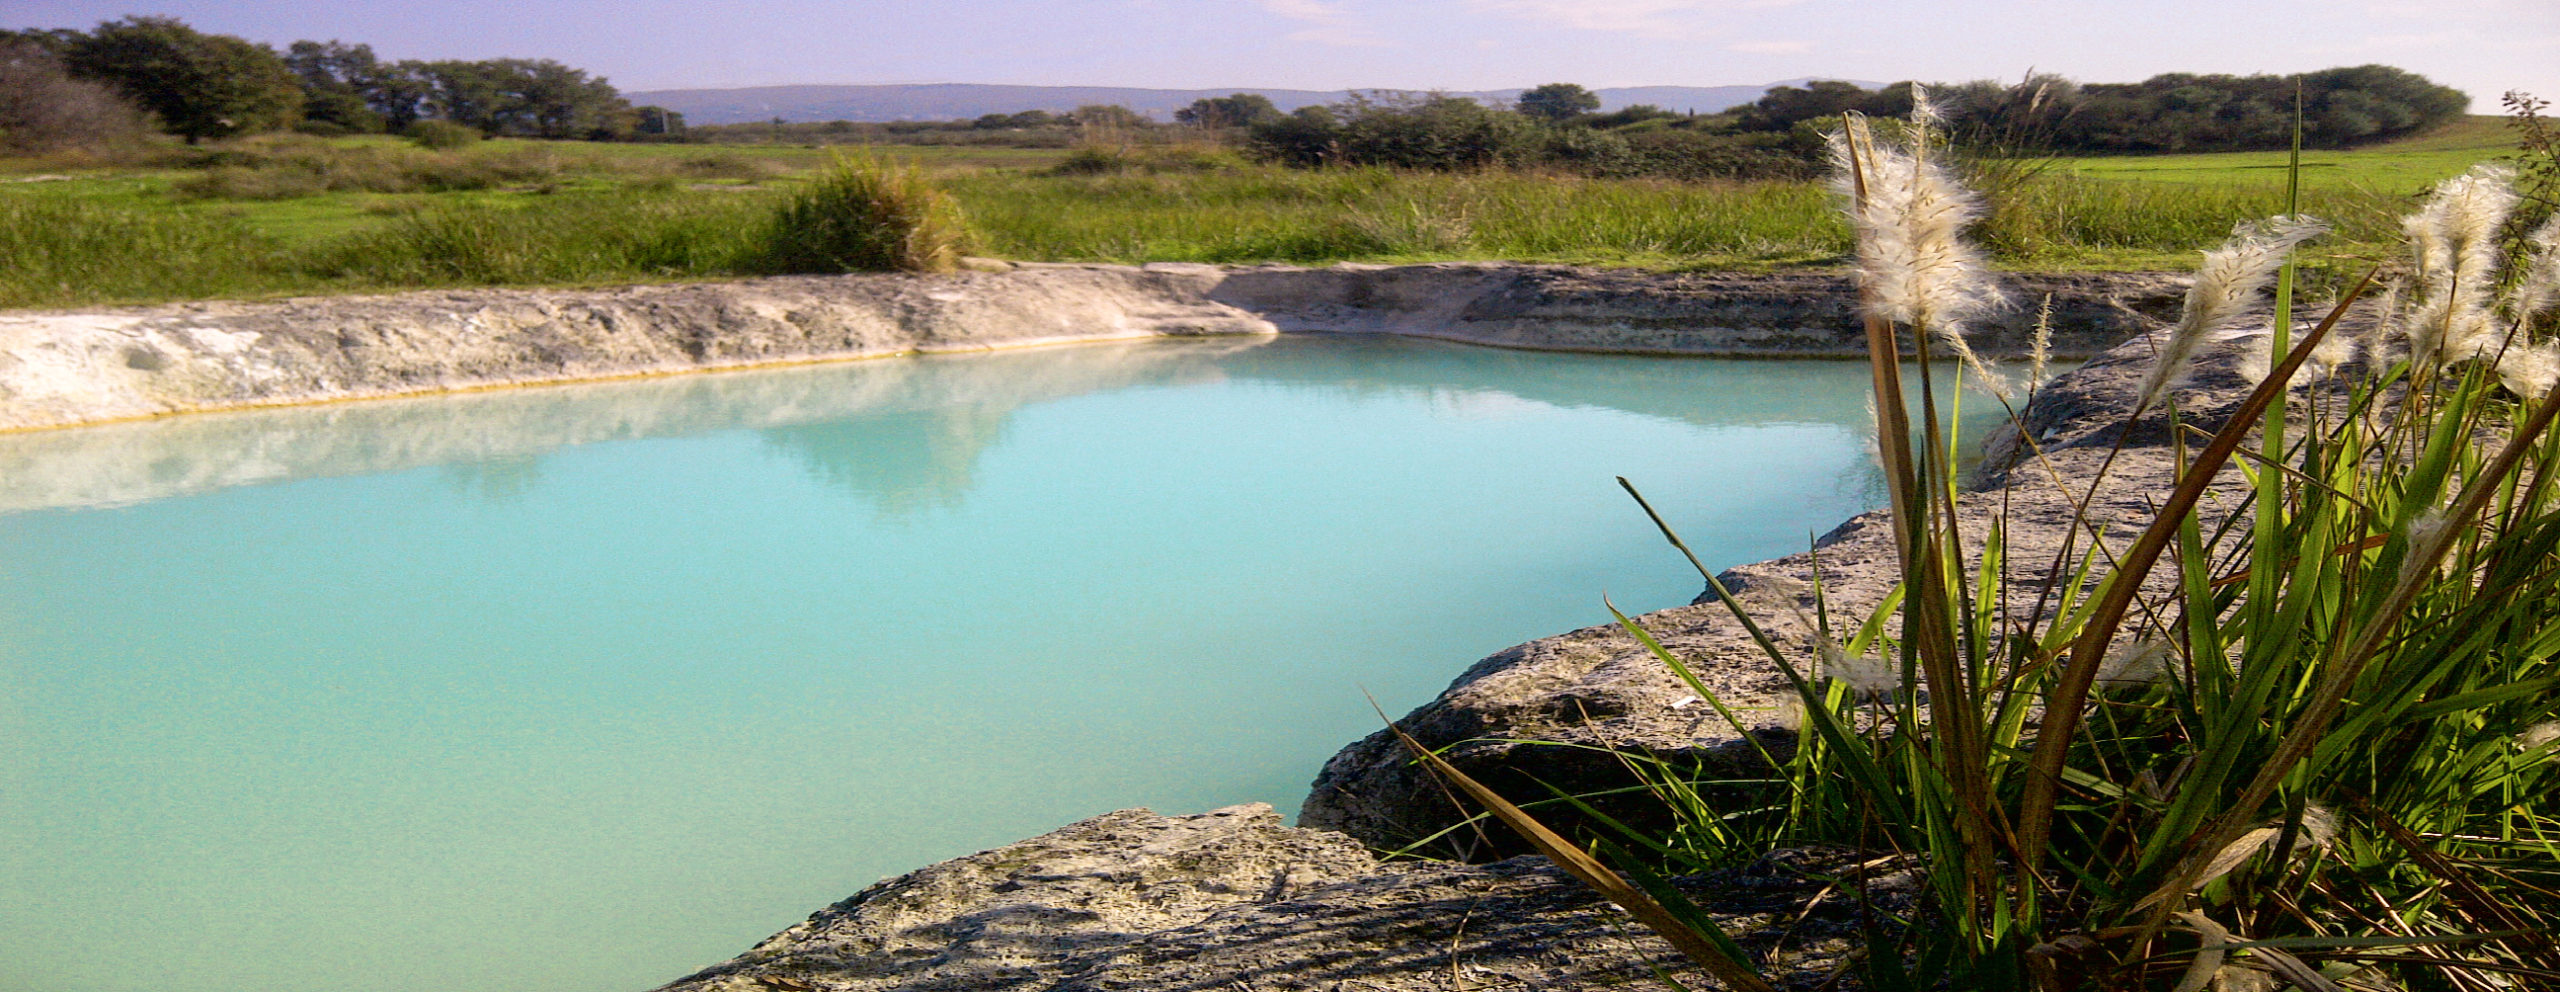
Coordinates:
<point>581,688</point>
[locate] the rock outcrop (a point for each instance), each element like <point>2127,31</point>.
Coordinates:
<point>64,368</point>
<point>1231,899</point>
<point>70,368</point>
<point>1559,308</point>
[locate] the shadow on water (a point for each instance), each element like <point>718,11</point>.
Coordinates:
<point>904,435</point>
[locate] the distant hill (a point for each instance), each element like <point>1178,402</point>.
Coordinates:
<point>960,101</point>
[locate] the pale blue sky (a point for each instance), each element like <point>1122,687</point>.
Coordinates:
<point>2481,46</point>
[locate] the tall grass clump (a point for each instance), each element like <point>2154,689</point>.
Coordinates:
<point>565,238</point>
<point>865,215</point>
<point>2299,728</point>
<point>64,252</point>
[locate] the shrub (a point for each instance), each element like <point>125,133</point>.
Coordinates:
<point>1433,132</point>
<point>44,109</point>
<point>1094,160</point>
<point>865,215</point>
<point>442,135</point>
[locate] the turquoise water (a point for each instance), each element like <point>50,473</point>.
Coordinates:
<point>582,688</point>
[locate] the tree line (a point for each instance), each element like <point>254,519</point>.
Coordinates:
<point>2173,112</point>
<point>198,85</point>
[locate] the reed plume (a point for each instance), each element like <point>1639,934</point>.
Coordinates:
<point>2529,370</point>
<point>1913,264</point>
<point>2230,278</point>
<point>2454,251</point>
<point>2539,289</point>
<point>2040,346</point>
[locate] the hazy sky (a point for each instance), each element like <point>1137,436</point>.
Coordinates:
<point>2484,47</point>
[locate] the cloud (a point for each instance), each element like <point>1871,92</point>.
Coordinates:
<point>1661,18</point>
<point>1770,47</point>
<point>1329,23</point>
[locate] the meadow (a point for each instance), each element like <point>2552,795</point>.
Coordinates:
<point>291,215</point>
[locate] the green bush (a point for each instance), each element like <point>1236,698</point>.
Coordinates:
<point>865,215</point>
<point>442,135</point>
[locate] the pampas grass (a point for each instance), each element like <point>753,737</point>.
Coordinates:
<point>2226,284</point>
<point>1913,266</point>
<point>2453,242</point>
<point>2539,289</point>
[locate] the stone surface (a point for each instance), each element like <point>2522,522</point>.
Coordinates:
<point>60,368</point>
<point>1559,308</point>
<point>74,367</point>
<point>1233,900</point>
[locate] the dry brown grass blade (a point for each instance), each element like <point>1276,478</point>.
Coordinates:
<point>2062,709</point>
<point>1600,877</point>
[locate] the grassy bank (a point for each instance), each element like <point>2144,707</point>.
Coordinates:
<point>301,215</point>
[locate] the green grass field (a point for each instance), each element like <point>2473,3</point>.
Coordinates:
<point>292,215</point>
<point>2400,168</point>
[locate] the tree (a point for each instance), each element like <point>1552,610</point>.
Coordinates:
<point>1783,106</point>
<point>42,108</point>
<point>200,85</point>
<point>398,91</point>
<point>534,97</point>
<point>1431,131</point>
<point>1557,103</point>
<point>658,121</point>
<point>333,76</point>
<point>1108,117</point>
<point>1636,113</point>
<point>1236,110</point>
<point>1307,137</point>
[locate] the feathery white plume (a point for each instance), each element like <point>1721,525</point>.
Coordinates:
<point>1924,112</point>
<point>2529,370</point>
<point>2147,661</point>
<point>2540,288</point>
<point>1915,267</point>
<point>2040,345</point>
<point>2453,240</point>
<point>2334,350</point>
<point>2425,533</point>
<point>1865,673</point>
<point>2229,279</point>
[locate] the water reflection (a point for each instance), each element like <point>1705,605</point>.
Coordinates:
<point>903,435</point>
<point>901,462</point>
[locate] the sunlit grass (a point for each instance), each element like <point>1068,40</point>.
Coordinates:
<point>291,214</point>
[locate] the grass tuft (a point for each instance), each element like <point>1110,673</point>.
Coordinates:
<point>866,215</point>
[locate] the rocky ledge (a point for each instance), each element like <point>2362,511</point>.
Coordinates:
<point>1234,900</point>
<point>71,367</point>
